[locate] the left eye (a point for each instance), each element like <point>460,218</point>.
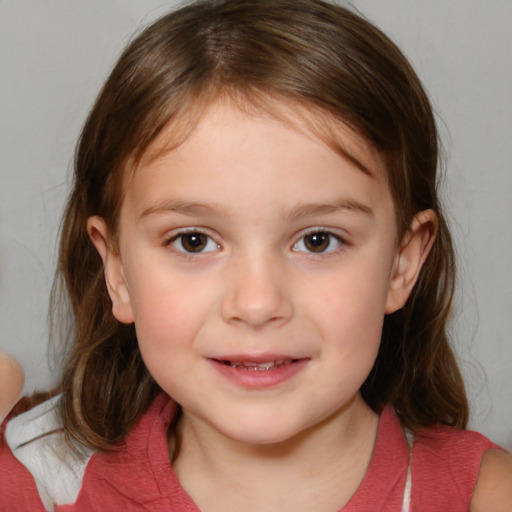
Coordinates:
<point>318,242</point>
<point>194,242</point>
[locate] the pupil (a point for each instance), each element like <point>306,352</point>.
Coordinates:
<point>317,242</point>
<point>194,242</point>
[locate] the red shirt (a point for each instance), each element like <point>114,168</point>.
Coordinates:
<point>138,476</point>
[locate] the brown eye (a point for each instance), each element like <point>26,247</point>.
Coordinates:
<point>194,242</point>
<point>318,242</point>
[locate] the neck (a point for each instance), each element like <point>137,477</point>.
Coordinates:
<point>325,463</point>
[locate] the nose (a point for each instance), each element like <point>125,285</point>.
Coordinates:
<point>256,294</point>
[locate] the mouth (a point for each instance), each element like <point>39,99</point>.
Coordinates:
<point>262,371</point>
<point>258,366</point>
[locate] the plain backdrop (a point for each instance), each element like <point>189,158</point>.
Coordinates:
<point>55,54</point>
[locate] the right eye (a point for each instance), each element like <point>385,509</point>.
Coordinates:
<point>193,242</point>
<point>318,242</point>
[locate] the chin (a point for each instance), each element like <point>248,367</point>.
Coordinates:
<point>259,437</point>
<point>257,431</point>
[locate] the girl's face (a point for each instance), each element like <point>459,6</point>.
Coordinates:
<point>257,265</point>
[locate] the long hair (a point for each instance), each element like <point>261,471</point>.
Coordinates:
<point>305,52</point>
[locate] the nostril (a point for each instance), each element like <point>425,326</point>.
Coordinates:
<point>255,293</point>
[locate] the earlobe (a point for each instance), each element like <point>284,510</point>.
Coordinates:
<point>410,257</point>
<point>113,269</point>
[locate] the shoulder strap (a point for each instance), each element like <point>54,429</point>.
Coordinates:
<point>406,502</point>
<point>36,439</point>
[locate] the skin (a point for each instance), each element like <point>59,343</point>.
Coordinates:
<point>11,383</point>
<point>493,491</point>
<point>259,193</point>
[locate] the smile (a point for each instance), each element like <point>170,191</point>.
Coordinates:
<point>258,367</point>
<point>259,372</point>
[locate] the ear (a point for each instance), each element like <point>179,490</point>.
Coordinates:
<point>411,254</point>
<point>113,269</point>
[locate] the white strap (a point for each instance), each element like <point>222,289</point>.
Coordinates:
<point>406,503</point>
<point>36,439</point>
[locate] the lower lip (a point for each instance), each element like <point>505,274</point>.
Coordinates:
<point>260,379</point>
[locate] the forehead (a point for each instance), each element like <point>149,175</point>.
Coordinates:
<point>258,163</point>
<point>315,123</point>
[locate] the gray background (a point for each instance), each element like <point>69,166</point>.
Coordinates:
<point>55,55</point>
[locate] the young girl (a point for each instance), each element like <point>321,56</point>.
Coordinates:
<point>259,277</point>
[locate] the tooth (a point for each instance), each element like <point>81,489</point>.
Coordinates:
<point>250,365</point>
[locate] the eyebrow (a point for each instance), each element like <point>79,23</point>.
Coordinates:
<point>310,210</point>
<point>302,210</point>
<point>185,208</point>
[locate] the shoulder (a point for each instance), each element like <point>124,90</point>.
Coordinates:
<point>41,470</point>
<point>135,470</point>
<point>35,449</point>
<point>493,491</point>
<point>458,448</point>
<point>446,464</point>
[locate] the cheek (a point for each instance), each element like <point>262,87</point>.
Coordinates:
<point>167,322</point>
<point>352,299</point>
<point>169,309</point>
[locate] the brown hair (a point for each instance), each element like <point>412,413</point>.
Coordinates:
<point>307,52</point>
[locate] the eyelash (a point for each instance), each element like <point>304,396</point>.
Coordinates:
<point>329,237</point>
<point>180,236</point>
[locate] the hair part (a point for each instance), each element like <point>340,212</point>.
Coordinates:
<point>320,57</point>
